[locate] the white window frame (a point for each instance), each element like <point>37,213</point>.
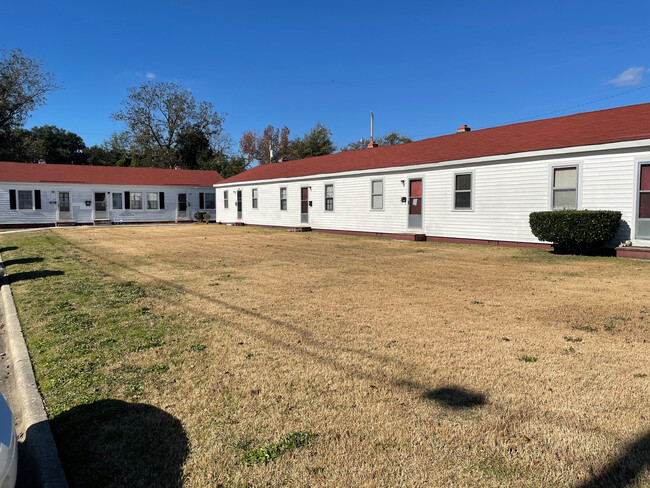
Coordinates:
<point>383,193</point>
<point>157,200</point>
<point>639,161</point>
<point>225,199</point>
<point>286,199</point>
<point>121,200</point>
<point>18,192</point>
<point>142,205</point>
<point>552,188</point>
<point>255,196</point>
<point>205,201</point>
<point>454,191</point>
<point>325,197</point>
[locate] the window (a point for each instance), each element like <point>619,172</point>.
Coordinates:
<point>377,195</point>
<point>283,198</point>
<point>117,201</point>
<point>209,199</point>
<point>225,199</point>
<point>136,200</point>
<point>152,201</point>
<point>25,200</point>
<point>329,197</point>
<point>565,188</point>
<point>463,191</point>
<point>643,227</point>
<point>254,196</point>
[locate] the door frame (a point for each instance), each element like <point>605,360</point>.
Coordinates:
<point>95,216</point>
<point>306,221</point>
<point>58,209</point>
<point>408,201</point>
<point>178,204</point>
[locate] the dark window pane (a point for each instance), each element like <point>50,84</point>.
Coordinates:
<point>644,206</point>
<point>464,182</point>
<point>645,177</point>
<point>463,199</point>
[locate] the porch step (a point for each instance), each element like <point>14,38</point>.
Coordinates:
<point>65,223</point>
<point>238,223</point>
<point>300,229</point>
<point>102,222</point>
<point>633,252</point>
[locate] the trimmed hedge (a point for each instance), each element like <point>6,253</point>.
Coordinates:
<point>576,231</point>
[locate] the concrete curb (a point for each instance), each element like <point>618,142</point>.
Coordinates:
<point>38,435</point>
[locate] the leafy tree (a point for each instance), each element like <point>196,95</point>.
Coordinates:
<point>59,145</point>
<point>256,147</point>
<point>194,148</point>
<point>48,142</point>
<point>156,115</point>
<point>390,139</point>
<point>316,142</point>
<point>23,87</point>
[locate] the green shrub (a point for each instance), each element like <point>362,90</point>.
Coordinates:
<point>576,231</point>
<point>198,216</point>
<point>206,217</point>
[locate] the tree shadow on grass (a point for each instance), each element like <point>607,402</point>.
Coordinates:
<point>624,470</point>
<point>32,275</point>
<point>8,248</point>
<point>10,262</point>
<point>111,443</point>
<point>455,397</point>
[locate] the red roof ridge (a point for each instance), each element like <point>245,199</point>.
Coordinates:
<point>582,129</point>
<point>107,175</point>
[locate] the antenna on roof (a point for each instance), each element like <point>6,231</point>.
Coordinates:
<point>372,142</point>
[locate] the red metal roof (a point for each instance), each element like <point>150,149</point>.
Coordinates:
<point>600,127</point>
<point>105,175</point>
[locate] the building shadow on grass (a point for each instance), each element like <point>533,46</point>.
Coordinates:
<point>624,471</point>
<point>111,443</point>
<point>8,248</point>
<point>10,262</point>
<point>455,397</point>
<point>32,275</point>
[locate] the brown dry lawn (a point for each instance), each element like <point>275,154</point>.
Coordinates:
<point>417,364</point>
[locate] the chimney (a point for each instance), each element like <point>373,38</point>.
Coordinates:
<point>463,128</point>
<point>41,161</point>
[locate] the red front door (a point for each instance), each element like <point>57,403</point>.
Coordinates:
<point>415,204</point>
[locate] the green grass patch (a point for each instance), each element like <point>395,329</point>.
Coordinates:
<point>585,328</point>
<point>528,359</point>
<point>80,323</point>
<point>572,339</point>
<point>271,452</point>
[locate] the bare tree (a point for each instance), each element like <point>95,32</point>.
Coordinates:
<point>23,86</point>
<point>156,114</point>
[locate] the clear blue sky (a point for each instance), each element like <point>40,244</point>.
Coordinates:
<point>423,67</point>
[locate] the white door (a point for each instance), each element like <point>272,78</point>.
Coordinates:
<point>63,200</point>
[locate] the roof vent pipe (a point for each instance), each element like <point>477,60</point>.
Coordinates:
<point>463,128</point>
<point>372,142</point>
<point>41,161</point>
